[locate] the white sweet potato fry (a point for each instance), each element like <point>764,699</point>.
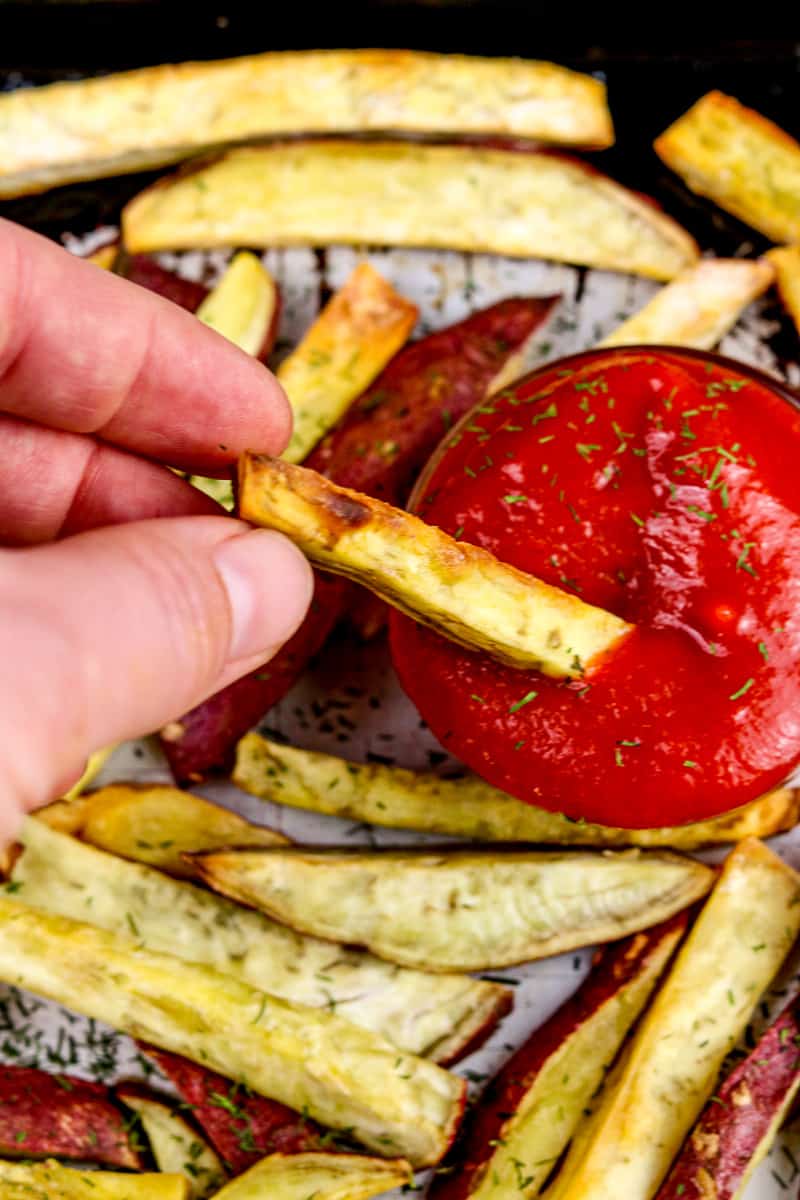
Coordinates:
<point>344,1076</point>
<point>455,197</point>
<point>461,910</point>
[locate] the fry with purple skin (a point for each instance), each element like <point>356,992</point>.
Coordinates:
<point>740,1122</point>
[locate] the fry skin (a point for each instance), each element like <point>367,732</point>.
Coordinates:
<point>737,1128</point>
<point>668,1072</point>
<point>739,159</point>
<point>44,1115</point>
<point>242,1126</point>
<point>523,1121</point>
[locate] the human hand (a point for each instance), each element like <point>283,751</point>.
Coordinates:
<point>111,622</point>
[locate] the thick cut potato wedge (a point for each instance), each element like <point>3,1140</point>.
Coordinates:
<point>353,338</point>
<point>244,306</point>
<point>742,161</point>
<point>464,910</point>
<point>177,1148</point>
<point>242,1126</point>
<point>321,1176</point>
<point>738,1126</point>
<point>522,204</point>
<point>461,591</point>
<point>154,824</point>
<point>144,270</point>
<point>527,1115</point>
<point>654,1096</point>
<point>51,1181</point>
<point>45,1115</point>
<point>786,261</point>
<point>437,1018</point>
<point>699,307</point>
<point>128,122</point>
<point>342,1075</point>
<point>467,807</point>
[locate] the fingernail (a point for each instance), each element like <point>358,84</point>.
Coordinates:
<point>269,584</point>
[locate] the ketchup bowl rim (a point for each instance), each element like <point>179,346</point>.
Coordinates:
<point>779,386</point>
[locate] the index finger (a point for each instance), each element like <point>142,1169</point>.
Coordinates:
<point>84,351</point>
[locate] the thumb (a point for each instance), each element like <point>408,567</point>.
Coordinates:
<point>110,634</point>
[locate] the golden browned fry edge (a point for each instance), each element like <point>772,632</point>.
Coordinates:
<point>786,262</point>
<point>363,325</point>
<point>147,118</point>
<point>461,591</point>
<point>468,806</point>
<point>739,159</point>
<point>656,1092</point>
<point>699,307</point>
<point>154,824</point>
<point>458,197</point>
<point>459,909</point>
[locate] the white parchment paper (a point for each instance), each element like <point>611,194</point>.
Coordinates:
<point>349,701</point>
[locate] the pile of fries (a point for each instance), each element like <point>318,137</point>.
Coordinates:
<point>306,1004</point>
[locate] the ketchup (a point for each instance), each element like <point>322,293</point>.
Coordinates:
<point>665,487</point>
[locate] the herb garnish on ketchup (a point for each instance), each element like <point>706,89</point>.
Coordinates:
<point>665,487</point>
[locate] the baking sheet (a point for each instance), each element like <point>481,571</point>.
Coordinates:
<point>349,702</point>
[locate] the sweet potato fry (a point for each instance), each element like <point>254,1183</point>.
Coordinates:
<point>468,806</point>
<point>362,327</point>
<point>522,204</point>
<point>460,590</point>
<point>738,1126</point>
<point>786,261</point>
<point>343,1075</point>
<point>176,1147</point>
<point>466,910</point>
<point>144,270</point>
<point>47,1116</point>
<point>245,305</point>
<point>378,447</point>
<point>154,824</point>
<point>437,1018</point>
<point>699,307</point>
<point>527,1115</point>
<point>739,159</point>
<point>242,1126</point>
<point>146,118</point>
<point>653,1097</point>
<point>323,1176</point>
<point>51,1181</point>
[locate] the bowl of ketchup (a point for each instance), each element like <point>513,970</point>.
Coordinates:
<point>664,486</point>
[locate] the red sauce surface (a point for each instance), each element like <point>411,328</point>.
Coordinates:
<point>665,488</point>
